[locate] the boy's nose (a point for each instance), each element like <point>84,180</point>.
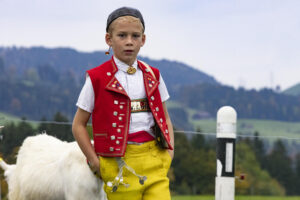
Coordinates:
<point>129,41</point>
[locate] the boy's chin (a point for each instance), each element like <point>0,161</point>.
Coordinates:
<point>128,61</point>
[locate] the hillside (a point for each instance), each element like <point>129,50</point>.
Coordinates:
<point>66,60</point>
<point>38,82</point>
<point>253,104</point>
<point>294,90</point>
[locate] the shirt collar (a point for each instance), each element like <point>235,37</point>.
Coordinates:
<point>123,66</point>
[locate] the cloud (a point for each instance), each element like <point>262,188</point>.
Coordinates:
<point>231,39</point>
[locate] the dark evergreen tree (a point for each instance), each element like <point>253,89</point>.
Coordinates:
<point>60,128</point>
<point>14,135</point>
<point>258,148</point>
<point>297,171</point>
<point>194,169</point>
<point>1,66</point>
<point>47,73</point>
<point>279,166</point>
<point>198,141</point>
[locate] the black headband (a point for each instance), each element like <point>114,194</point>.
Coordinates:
<point>124,11</point>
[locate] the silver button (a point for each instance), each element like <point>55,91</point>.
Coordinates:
<point>161,120</point>
<point>119,130</point>
<point>117,142</point>
<point>121,106</point>
<point>152,98</point>
<point>114,125</point>
<point>120,118</point>
<point>111,149</point>
<point>112,137</point>
<point>167,131</point>
<point>116,102</point>
<point>157,109</point>
<point>115,113</point>
<point>108,74</point>
<point>109,184</point>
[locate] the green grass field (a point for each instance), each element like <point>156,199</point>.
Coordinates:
<point>236,198</point>
<point>6,118</point>
<point>272,129</point>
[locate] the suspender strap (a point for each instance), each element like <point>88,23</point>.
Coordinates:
<point>149,69</point>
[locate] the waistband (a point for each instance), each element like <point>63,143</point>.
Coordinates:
<point>137,150</point>
<point>140,137</point>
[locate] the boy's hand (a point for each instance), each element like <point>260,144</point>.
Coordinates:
<point>95,167</point>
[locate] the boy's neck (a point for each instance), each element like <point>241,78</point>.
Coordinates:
<point>129,64</point>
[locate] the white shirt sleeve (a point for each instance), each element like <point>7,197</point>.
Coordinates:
<point>164,94</point>
<point>87,97</point>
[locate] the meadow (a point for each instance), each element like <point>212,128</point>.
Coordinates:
<point>270,129</point>
<point>6,118</point>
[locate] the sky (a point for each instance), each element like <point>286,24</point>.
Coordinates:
<point>242,43</point>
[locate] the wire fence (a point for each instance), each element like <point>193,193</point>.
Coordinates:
<point>176,131</point>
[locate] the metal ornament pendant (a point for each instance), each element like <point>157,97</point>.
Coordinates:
<point>131,70</point>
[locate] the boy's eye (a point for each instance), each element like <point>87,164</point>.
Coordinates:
<point>121,35</point>
<point>136,35</point>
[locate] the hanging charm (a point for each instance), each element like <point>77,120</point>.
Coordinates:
<point>131,70</point>
<point>108,51</point>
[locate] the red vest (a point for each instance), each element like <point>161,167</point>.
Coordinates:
<point>112,109</point>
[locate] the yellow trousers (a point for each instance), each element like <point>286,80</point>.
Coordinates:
<point>146,159</point>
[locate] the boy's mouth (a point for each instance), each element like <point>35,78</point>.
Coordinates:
<point>128,51</point>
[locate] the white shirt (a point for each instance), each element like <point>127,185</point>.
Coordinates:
<point>134,87</point>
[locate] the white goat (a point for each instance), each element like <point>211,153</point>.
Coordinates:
<point>50,169</point>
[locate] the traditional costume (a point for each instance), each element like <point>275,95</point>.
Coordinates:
<point>129,128</point>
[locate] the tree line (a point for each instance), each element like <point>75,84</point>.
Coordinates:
<point>262,104</point>
<point>38,92</point>
<point>48,91</point>
<point>40,79</point>
<point>193,169</point>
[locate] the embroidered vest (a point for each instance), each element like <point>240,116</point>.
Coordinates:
<point>112,109</point>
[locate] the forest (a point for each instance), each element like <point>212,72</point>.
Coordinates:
<point>38,82</point>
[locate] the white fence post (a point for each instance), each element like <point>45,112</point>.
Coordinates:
<point>226,135</point>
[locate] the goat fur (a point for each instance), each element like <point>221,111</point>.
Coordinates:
<point>50,169</point>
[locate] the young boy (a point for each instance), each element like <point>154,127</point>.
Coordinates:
<point>132,130</point>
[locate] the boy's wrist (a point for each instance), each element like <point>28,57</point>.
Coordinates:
<point>95,168</point>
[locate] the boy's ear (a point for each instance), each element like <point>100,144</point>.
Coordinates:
<point>143,39</point>
<point>108,39</point>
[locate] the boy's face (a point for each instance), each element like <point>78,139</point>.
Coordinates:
<point>126,39</point>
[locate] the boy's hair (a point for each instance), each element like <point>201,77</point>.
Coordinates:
<point>130,19</point>
<point>124,11</point>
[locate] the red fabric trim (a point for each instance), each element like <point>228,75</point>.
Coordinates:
<point>140,137</point>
